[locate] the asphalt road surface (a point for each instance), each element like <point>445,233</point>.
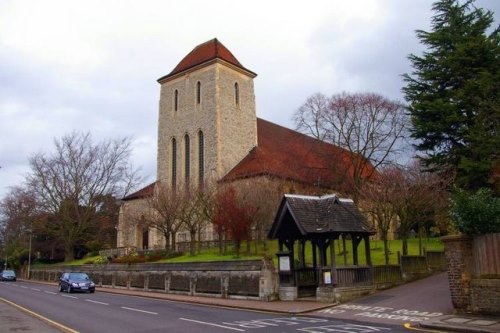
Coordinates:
<point>106,312</point>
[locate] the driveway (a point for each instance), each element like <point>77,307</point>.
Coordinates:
<point>413,302</point>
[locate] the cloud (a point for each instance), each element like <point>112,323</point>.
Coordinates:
<point>92,65</point>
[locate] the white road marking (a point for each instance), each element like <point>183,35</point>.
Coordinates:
<point>49,292</point>
<point>68,296</point>
<point>35,289</point>
<point>138,310</point>
<point>212,324</point>
<point>89,300</point>
<point>24,287</point>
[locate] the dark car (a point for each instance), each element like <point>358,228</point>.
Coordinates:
<point>76,282</point>
<point>8,275</point>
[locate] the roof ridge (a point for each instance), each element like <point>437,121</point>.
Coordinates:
<point>207,52</point>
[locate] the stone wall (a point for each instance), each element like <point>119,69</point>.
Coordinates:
<point>253,279</point>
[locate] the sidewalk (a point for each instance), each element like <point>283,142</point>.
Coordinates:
<point>289,307</point>
<point>13,319</point>
<point>464,323</point>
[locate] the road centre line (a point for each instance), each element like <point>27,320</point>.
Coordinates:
<point>24,287</point>
<point>138,310</point>
<point>68,296</point>
<point>212,324</point>
<point>35,289</point>
<point>90,300</point>
<point>49,292</point>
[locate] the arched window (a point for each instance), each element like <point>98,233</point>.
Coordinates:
<point>201,157</point>
<point>176,99</point>
<point>174,163</point>
<point>236,93</point>
<point>198,92</point>
<point>187,162</point>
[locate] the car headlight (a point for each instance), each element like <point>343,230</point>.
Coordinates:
<point>74,284</point>
<point>92,284</point>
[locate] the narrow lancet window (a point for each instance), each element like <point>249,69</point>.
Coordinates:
<point>201,158</point>
<point>187,161</point>
<point>174,163</point>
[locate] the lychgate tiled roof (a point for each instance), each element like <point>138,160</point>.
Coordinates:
<point>208,51</point>
<point>311,215</point>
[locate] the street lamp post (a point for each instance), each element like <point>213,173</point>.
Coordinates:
<point>29,254</point>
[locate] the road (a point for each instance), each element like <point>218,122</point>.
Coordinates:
<point>105,312</point>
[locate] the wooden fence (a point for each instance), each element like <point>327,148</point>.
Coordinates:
<point>486,255</point>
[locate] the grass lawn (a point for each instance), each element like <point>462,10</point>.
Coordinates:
<point>376,248</point>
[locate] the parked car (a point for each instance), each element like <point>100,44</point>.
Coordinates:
<point>8,275</point>
<point>71,282</point>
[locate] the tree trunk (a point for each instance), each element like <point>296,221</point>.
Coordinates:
<point>174,242</point>
<point>192,242</point>
<point>69,254</point>
<point>221,240</point>
<point>224,251</point>
<point>237,246</point>
<point>199,240</point>
<point>386,248</point>
<point>405,245</point>
<point>167,242</point>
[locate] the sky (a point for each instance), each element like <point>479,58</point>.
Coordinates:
<point>91,66</point>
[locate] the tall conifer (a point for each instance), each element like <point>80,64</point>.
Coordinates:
<point>453,93</point>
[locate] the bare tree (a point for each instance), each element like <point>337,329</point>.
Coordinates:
<point>418,197</point>
<point>378,199</point>
<point>264,195</point>
<point>71,182</point>
<point>163,213</point>
<point>190,215</point>
<point>19,213</point>
<point>368,125</point>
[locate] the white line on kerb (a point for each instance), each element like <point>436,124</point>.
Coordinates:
<point>138,310</point>
<point>212,324</point>
<point>89,300</point>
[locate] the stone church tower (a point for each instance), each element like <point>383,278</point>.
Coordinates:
<point>207,120</point>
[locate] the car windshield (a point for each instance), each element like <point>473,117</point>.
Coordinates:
<point>8,273</point>
<point>78,276</point>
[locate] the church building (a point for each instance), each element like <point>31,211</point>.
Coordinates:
<point>208,131</point>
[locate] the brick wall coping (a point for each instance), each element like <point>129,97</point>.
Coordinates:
<point>455,238</point>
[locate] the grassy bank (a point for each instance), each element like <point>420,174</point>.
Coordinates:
<point>257,252</point>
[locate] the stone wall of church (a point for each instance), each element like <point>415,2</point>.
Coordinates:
<point>129,233</point>
<point>189,119</point>
<point>237,122</point>
<point>229,128</point>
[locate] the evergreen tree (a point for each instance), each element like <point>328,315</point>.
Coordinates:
<point>454,94</point>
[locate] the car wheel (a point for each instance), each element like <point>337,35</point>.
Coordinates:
<point>92,291</point>
<point>69,289</point>
<point>60,288</point>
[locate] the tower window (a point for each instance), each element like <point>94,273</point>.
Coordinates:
<point>198,92</point>
<point>187,162</point>
<point>174,163</point>
<point>236,93</point>
<point>201,157</point>
<point>176,99</point>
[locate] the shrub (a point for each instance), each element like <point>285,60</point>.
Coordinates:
<point>477,213</point>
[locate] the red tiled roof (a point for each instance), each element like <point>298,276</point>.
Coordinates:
<point>213,49</point>
<point>284,153</point>
<point>144,192</point>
